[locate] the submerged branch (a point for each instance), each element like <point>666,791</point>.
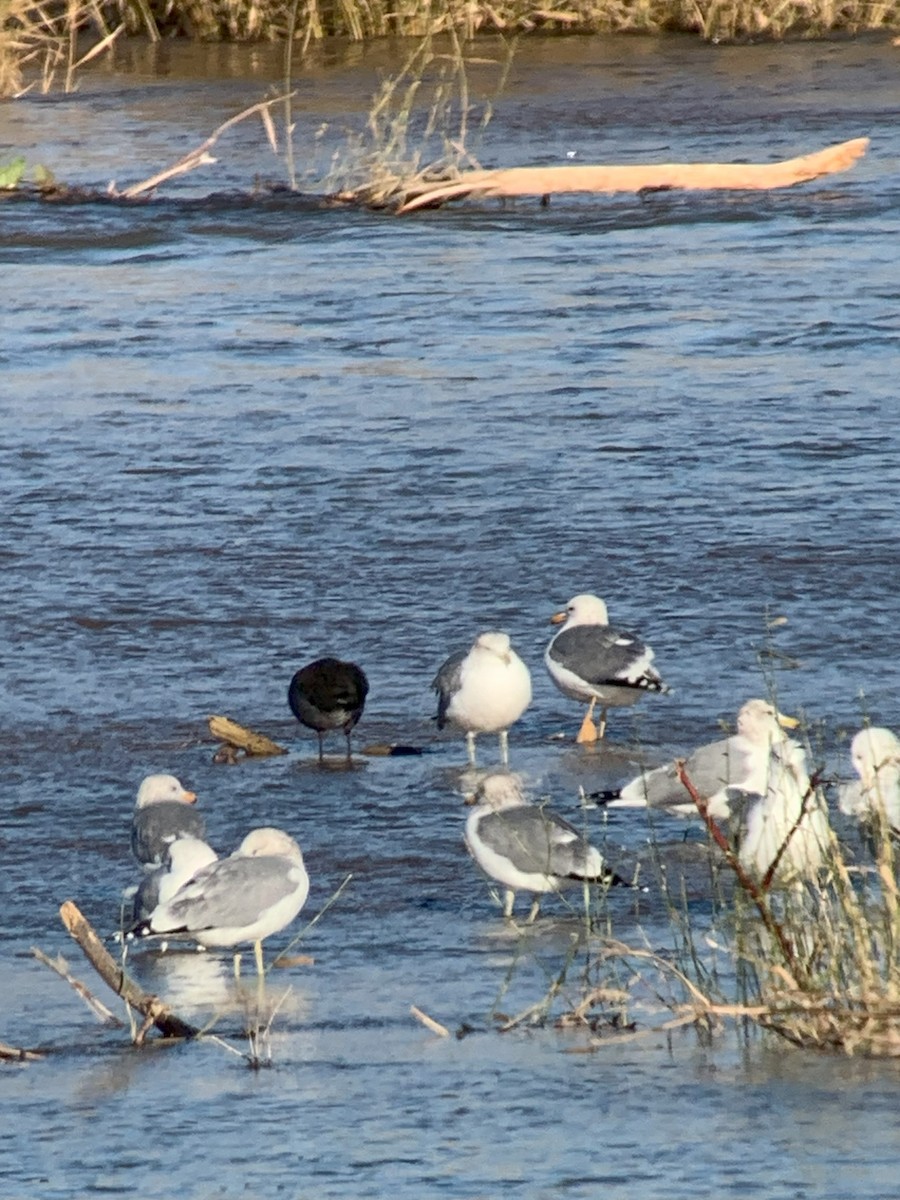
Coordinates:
<point>17,1054</point>
<point>151,1007</point>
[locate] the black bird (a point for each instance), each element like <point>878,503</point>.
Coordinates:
<point>328,694</point>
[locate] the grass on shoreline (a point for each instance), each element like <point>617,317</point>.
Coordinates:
<point>45,41</point>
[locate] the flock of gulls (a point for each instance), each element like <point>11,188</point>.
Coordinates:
<point>754,781</point>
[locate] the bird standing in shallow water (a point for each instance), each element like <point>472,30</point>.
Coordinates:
<point>184,858</point>
<point>483,690</point>
<point>785,832</point>
<point>255,892</point>
<point>724,772</point>
<point>162,812</point>
<point>526,846</point>
<point>591,661</point>
<point>875,754</point>
<point>328,694</point>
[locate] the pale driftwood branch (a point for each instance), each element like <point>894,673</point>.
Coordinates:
<point>546,181</point>
<point>200,156</point>
<point>16,1054</point>
<point>429,1022</point>
<point>61,967</point>
<point>112,974</point>
<point>228,731</point>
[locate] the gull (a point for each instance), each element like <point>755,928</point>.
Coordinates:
<point>591,660</point>
<point>875,754</point>
<point>183,859</point>
<point>785,832</point>
<point>162,813</point>
<point>526,846</point>
<point>255,892</point>
<point>723,772</point>
<point>328,694</point>
<point>483,690</point>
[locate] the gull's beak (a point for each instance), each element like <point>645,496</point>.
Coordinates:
<point>786,722</point>
<point>558,618</point>
<point>189,797</point>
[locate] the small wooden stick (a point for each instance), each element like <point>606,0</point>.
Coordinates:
<point>429,1022</point>
<point>114,977</point>
<point>15,1054</point>
<point>228,731</point>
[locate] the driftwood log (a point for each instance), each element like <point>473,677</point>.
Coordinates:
<point>238,738</point>
<point>151,1007</point>
<point>547,181</point>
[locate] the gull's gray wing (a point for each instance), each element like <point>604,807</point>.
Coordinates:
<point>600,654</point>
<point>154,827</point>
<point>535,840</point>
<point>720,766</point>
<point>232,893</point>
<point>447,683</point>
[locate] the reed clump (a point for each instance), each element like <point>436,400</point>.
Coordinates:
<point>816,962</point>
<point>423,126</point>
<point>838,985</point>
<point>43,35</point>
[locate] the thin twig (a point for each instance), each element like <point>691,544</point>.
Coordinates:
<point>747,882</point>
<point>429,1022</point>
<point>17,1054</point>
<point>309,925</point>
<point>196,158</point>
<point>61,967</point>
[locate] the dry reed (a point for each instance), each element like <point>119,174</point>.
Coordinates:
<point>41,37</point>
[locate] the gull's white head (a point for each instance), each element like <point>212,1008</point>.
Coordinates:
<point>874,750</point>
<point>157,788</point>
<point>494,643</point>
<point>267,841</point>
<point>584,609</point>
<point>760,722</point>
<point>498,790</point>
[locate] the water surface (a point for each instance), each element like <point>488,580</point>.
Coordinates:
<point>239,433</point>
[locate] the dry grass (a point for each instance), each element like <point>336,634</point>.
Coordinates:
<point>421,127</point>
<point>38,37</point>
<point>818,963</point>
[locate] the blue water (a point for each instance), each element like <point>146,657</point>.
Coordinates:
<point>236,435</point>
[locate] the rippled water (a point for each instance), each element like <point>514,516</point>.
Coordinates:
<point>239,434</point>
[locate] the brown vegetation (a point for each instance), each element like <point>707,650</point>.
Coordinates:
<point>45,36</point>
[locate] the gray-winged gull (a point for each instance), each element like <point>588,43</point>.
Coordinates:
<point>875,754</point>
<point>255,892</point>
<point>483,690</point>
<point>786,830</point>
<point>183,859</point>
<point>526,847</point>
<point>724,772</point>
<point>328,694</point>
<point>163,812</point>
<point>593,661</point>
